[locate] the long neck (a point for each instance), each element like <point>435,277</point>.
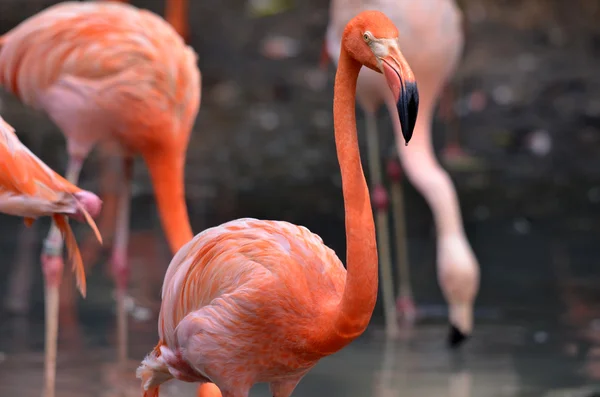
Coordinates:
<point>167,174</point>
<point>360,293</point>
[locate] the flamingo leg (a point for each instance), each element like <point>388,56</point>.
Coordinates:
<point>176,14</point>
<point>52,266</point>
<point>119,259</point>
<point>381,202</point>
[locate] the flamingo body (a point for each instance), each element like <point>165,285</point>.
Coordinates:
<point>262,278</point>
<point>102,58</point>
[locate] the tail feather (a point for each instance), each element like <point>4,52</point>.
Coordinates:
<point>72,251</point>
<point>153,372</point>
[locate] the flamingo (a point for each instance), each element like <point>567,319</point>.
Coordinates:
<point>263,301</point>
<point>112,74</point>
<point>29,188</point>
<point>176,14</point>
<point>432,39</point>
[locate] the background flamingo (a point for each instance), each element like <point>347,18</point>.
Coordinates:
<point>176,13</point>
<point>117,75</point>
<point>431,36</point>
<point>262,301</point>
<point>29,188</point>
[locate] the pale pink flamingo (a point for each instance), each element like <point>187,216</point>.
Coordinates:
<point>431,37</point>
<point>263,301</point>
<point>29,188</point>
<point>114,74</point>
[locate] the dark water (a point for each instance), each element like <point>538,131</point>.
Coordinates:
<point>537,331</point>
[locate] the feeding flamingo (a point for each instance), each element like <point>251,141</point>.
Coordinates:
<point>29,188</point>
<point>431,38</point>
<point>263,301</point>
<point>112,73</point>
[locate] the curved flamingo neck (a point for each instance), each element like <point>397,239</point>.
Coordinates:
<point>360,292</point>
<point>167,174</point>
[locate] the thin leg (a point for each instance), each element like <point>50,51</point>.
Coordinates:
<point>52,265</point>
<point>119,258</point>
<point>176,14</point>
<point>51,331</point>
<point>404,303</point>
<point>18,296</point>
<point>381,202</point>
<point>109,183</point>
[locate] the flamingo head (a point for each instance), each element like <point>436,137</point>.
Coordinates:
<point>372,39</point>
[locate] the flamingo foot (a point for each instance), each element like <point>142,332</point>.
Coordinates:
<point>406,309</point>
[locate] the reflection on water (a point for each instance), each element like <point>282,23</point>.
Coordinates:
<point>531,350</point>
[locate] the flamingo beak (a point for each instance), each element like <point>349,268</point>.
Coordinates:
<point>401,81</point>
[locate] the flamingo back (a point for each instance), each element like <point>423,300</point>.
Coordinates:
<point>114,55</point>
<point>243,257</point>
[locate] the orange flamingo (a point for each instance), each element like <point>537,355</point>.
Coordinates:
<point>262,301</point>
<point>115,74</point>
<point>176,14</point>
<point>432,39</point>
<point>29,188</point>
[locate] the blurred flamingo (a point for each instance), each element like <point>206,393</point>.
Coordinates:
<point>430,34</point>
<point>29,188</point>
<point>114,75</point>
<point>176,14</point>
<point>263,301</point>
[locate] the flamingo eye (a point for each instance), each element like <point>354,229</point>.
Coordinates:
<point>368,37</point>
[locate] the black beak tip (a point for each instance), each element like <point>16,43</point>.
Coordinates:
<point>456,338</point>
<point>408,107</point>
